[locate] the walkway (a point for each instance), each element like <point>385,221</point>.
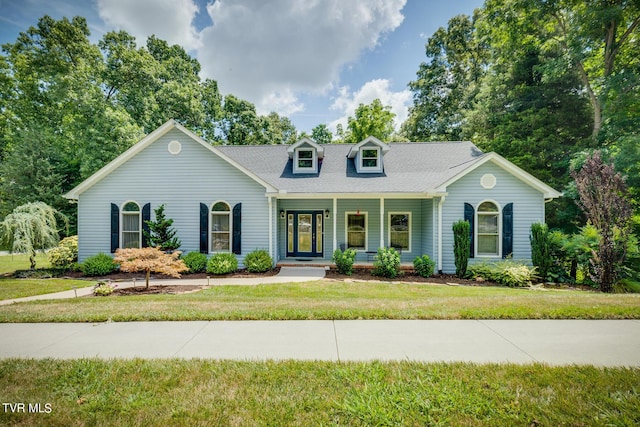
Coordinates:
<point>555,342</point>
<point>285,275</point>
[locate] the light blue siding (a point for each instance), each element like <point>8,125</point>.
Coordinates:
<point>181,182</point>
<point>528,207</point>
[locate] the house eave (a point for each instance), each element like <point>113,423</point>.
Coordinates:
<point>385,195</point>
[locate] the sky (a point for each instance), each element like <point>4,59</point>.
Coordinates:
<point>313,61</point>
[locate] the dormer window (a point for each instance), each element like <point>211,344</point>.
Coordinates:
<point>306,160</point>
<point>367,155</point>
<point>370,158</point>
<point>305,155</point>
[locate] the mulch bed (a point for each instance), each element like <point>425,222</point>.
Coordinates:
<point>156,289</point>
<point>444,279</point>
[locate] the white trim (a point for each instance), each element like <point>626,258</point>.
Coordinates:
<point>306,141</point>
<point>477,229</point>
<point>296,161</point>
<point>270,228</point>
<point>144,143</point>
<point>287,195</point>
<point>366,229</point>
<point>381,223</point>
<point>211,213</point>
<point>527,178</point>
<point>440,233</point>
<point>121,230</point>
<point>369,169</point>
<point>409,214</point>
<point>335,225</point>
<point>372,139</point>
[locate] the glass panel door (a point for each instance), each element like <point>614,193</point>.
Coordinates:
<point>305,233</point>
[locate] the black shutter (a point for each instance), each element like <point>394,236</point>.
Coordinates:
<point>204,228</point>
<point>237,229</point>
<point>469,215</point>
<point>507,230</point>
<point>146,216</point>
<point>115,227</point>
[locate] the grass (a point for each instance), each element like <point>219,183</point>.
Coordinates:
<point>236,393</point>
<point>18,288</point>
<point>12,262</point>
<point>334,300</point>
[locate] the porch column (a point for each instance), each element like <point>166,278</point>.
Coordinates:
<point>440,234</point>
<point>271,229</point>
<point>381,222</point>
<point>335,224</point>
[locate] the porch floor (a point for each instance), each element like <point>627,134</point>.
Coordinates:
<point>328,264</point>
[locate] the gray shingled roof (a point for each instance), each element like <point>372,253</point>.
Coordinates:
<point>408,167</point>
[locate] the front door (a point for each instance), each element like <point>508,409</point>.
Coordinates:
<point>305,233</point>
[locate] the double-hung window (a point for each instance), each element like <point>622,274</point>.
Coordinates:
<point>370,158</point>
<point>131,226</point>
<point>220,227</point>
<point>400,230</point>
<point>305,160</point>
<point>357,230</point>
<point>488,229</point>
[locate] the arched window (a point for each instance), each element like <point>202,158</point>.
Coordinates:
<point>488,229</point>
<point>131,226</point>
<point>220,227</point>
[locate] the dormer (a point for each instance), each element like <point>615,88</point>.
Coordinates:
<point>367,155</point>
<point>305,154</point>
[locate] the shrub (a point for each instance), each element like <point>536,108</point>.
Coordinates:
<point>541,249</point>
<point>424,266</point>
<point>387,263</point>
<point>258,261</point>
<point>508,273</point>
<point>222,263</point>
<point>461,246</point>
<point>344,260</point>
<point>196,262</point>
<point>103,289</point>
<point>65,254</point>
<point>99,265</point>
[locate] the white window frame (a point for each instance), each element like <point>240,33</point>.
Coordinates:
<point>366,229</point>
<point>314,161</point>
<point>211,214</point>
<point>477,233</point>
<point>378,166</point>
<point>390,214</point>
<point>124,213</point>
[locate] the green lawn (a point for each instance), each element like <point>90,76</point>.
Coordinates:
<point>235,393</point>
<point>12,262</point>
<point>18,288</point>
<point>335,300</point>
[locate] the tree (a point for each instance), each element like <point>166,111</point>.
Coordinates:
<point>150,260</point>
<point>604,200</point>
<point>29,228</point>
<point>372,119</point>
<point>321,134</point>
<point>160,233</point>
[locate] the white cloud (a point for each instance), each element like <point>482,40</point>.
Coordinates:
<point>170,20</point>
<point>347,101</point>
<point>267,52</point>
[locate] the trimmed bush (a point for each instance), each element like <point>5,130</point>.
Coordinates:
<point>424,266</point>
<point>387,263</point>
<point>508,273</point>
<point>65,254</point>
<point>461,247</point>
<point>258,261</point>
<point>99,265</point>
<point>196,262</point>
<point>344,260</point>
<point>222,263</point>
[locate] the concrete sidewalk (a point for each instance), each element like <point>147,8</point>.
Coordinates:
<point>554,342</point>
<point>285,275</point>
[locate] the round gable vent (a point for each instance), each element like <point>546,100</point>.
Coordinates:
<point>174,147</point>
<point>488,181</point>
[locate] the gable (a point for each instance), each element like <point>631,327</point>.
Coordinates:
<point>173,147</point>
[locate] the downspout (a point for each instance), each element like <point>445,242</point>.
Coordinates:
<point>440,234</point>
<point>335,224</point>
<point>381,222</point>
<point>271,229</point>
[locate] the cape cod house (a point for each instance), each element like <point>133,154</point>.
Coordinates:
<point>304,200</point>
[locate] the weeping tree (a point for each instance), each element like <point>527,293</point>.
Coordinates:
<point>31,227</point>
